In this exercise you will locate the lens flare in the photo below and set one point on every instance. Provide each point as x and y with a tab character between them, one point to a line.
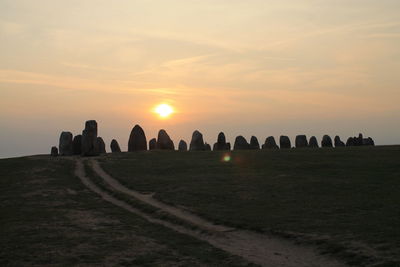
226	158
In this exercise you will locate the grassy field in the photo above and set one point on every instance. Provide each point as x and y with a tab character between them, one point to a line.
48	217
346	201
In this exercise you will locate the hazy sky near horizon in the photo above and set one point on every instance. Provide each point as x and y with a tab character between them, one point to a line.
256	67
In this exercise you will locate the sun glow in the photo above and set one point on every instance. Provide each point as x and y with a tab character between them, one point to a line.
164	110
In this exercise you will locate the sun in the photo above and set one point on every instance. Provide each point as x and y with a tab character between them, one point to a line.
164	110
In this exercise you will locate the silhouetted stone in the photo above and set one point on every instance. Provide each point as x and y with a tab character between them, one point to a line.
54	151
326	141
270	143
241	143
182	146
207	147
228	146
90	146
313	142
153	144
197	142
358	141
65	145
284	142
254	143
102	145
338	142
301	141
350	141
368	142
115	146
221	142
77	144
137	140
164	142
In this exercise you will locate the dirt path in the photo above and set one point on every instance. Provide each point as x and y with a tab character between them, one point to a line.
254	247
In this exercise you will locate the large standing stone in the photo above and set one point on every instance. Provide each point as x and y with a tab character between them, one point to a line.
137	140
197	142
115	146
153	144
164	142
65	145
102	145
338	142
77	144
241	143
54	151
270	143
313	142
182	146
326	141
284	142
221	142
90	146
254	143
350	141
301	141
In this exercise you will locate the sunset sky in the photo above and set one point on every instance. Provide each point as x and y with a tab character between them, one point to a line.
255	67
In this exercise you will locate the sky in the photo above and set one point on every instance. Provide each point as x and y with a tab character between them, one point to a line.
255	67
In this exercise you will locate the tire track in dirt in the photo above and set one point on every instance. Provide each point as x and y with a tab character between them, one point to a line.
254	247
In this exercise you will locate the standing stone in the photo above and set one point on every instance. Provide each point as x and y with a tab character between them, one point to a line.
197	142
221	142
301	141
326	141
77	144
65	145
207	147
254	143
115	146
90	146
338	142
228	146
313	142
182	146
358	141
241	143
137	140
270	143
284	142
102	145
164	142
368	142
54	151
350	142
153	144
